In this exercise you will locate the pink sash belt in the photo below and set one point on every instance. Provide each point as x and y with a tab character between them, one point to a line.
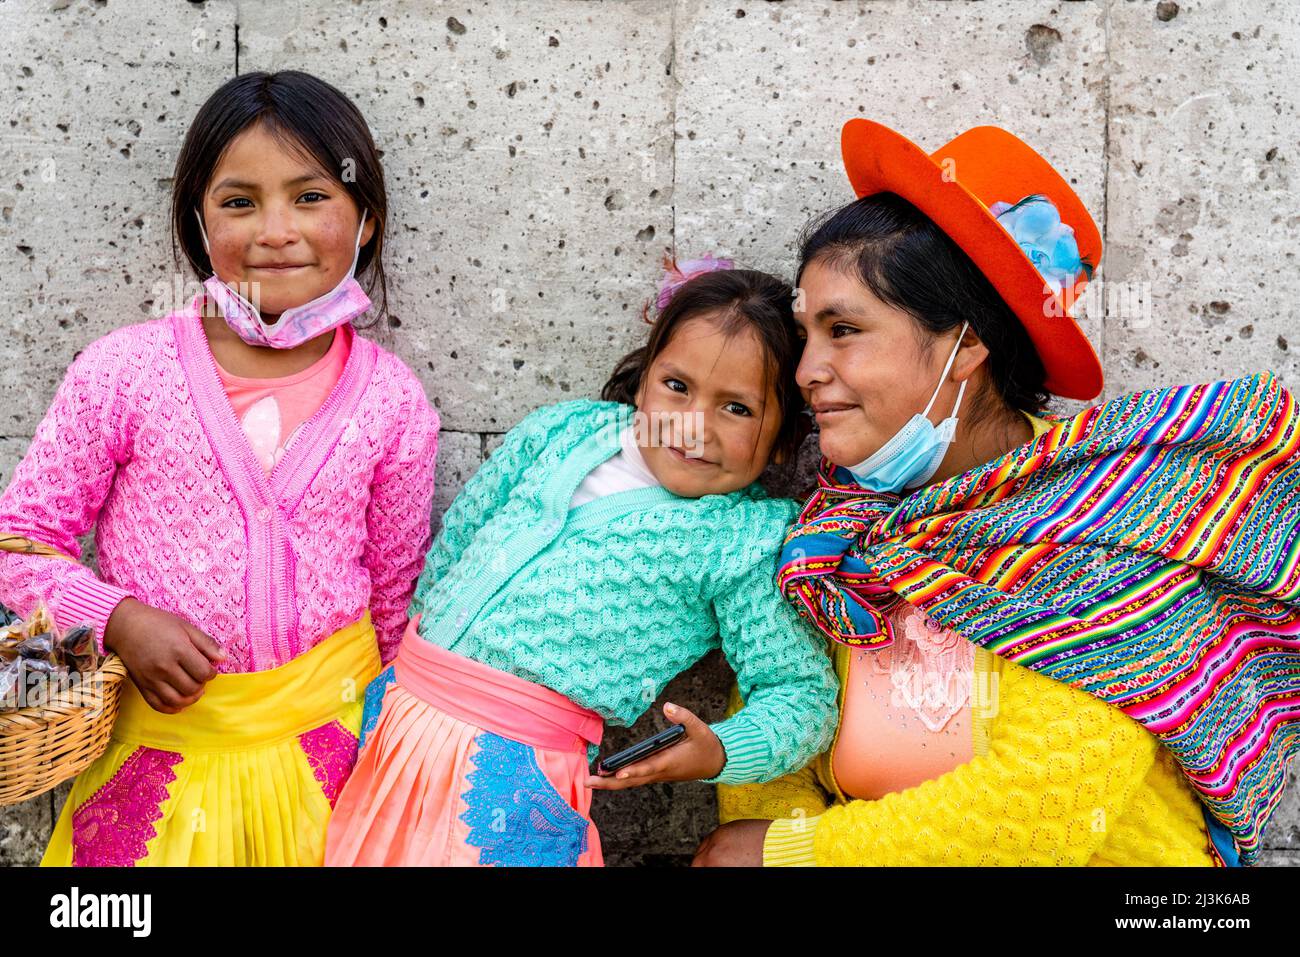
491	699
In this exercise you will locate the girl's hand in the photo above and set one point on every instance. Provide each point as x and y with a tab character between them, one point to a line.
734	844
698	755
168	658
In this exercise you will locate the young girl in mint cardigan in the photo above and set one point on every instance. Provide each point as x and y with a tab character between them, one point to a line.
603	549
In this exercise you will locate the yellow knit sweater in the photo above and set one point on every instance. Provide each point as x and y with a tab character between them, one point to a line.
1057	777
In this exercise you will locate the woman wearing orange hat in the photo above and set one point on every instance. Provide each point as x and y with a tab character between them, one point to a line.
1059	641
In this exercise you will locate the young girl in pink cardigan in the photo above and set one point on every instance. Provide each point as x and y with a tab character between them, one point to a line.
259	479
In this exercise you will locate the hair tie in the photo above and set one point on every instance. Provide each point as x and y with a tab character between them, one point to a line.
677	274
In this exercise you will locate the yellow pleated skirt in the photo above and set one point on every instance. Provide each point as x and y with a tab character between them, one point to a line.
246	776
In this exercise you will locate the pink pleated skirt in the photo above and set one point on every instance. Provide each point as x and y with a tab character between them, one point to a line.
465	765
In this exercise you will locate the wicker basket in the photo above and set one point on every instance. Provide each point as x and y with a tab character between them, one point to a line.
44	745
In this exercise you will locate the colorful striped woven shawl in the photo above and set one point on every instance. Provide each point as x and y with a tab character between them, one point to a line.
1144	551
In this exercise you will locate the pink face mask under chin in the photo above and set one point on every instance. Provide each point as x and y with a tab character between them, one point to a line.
298	324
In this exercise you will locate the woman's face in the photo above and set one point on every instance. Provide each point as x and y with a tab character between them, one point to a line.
864	370
278	223
710	414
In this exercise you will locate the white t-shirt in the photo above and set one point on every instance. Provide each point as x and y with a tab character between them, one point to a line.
624	470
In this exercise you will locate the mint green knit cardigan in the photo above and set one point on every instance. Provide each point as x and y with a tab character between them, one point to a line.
608	602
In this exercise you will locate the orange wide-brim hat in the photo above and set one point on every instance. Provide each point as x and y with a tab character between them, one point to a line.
955	186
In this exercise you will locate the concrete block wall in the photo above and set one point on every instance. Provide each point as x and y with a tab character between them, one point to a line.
543	156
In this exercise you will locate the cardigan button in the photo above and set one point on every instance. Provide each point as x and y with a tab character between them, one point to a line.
264	515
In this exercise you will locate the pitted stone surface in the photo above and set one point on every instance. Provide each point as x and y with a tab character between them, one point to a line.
541	157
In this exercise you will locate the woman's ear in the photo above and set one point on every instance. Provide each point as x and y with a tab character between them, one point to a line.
970	356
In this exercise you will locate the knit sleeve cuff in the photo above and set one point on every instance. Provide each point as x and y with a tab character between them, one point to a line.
789	842
747	753
89	601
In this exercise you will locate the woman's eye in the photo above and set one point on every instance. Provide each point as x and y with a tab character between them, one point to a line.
674	383
237	199
314	193
735	408
839	330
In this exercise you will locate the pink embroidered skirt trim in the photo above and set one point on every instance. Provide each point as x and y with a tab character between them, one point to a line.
466	765
245	776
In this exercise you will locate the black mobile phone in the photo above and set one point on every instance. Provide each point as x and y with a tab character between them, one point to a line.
642	749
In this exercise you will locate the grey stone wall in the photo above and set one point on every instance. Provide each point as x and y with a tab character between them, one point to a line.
543	156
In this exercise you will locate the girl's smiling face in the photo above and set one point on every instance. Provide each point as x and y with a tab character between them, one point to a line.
278	223
708	394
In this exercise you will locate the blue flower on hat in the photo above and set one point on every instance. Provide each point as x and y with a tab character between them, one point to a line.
1035	223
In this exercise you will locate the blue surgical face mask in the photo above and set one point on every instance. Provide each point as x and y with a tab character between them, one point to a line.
914	452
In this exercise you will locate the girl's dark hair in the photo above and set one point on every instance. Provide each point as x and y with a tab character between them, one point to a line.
306	114
737	299
908	262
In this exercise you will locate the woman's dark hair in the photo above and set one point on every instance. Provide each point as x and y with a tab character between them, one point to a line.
908	262
306	114
736	300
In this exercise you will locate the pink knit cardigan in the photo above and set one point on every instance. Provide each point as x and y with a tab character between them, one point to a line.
142	444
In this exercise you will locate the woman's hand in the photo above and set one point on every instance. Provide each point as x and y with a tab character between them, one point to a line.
734	844
168	658
698	755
